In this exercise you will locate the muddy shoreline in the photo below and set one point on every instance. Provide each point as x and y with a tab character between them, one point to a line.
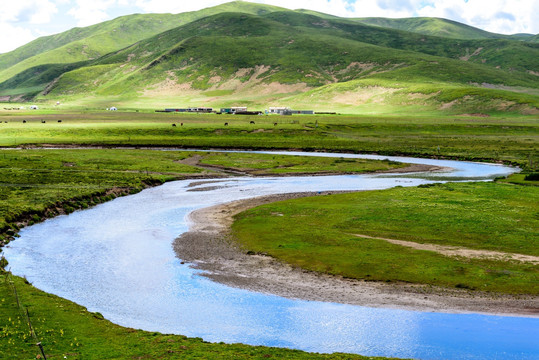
208	246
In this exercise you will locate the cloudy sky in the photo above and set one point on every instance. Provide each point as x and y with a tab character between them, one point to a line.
24	20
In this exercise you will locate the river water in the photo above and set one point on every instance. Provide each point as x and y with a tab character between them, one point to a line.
117	259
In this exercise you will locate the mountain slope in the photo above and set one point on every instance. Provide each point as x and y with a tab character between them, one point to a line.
262	54
209	52
81	44
506	54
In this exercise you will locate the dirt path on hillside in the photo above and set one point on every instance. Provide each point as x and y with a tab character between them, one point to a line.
208	247
456	251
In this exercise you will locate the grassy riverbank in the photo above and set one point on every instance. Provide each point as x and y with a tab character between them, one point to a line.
509	138
36	181
69	331
320	234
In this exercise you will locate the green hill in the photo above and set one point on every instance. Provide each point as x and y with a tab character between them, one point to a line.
265	55
437	27
81	44
506	54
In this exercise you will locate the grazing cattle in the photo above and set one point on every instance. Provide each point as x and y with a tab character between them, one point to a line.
226	124
174	125
181	124
59	120
252	122
24	121
274	124
43	121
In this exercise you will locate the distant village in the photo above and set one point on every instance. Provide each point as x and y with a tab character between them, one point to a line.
242	110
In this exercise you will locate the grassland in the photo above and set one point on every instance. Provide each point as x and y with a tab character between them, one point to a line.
511	139
438	27
479	216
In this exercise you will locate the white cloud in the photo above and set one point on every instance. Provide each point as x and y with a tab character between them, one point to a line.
91	12
28	11
13	37
17	18
501	16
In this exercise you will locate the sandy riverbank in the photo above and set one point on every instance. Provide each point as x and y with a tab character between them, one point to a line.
208	247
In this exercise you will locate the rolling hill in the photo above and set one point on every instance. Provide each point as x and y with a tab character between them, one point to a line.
262	55
81	44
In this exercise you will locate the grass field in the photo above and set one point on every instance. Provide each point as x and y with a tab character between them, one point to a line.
497	138
479	216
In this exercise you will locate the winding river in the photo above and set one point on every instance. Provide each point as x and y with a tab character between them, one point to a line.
117	259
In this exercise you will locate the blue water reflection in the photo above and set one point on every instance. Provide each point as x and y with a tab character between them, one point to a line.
117	258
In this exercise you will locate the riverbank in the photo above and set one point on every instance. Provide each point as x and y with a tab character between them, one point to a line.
208	247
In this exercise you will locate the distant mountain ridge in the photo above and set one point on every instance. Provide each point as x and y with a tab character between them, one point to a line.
439	27
226	52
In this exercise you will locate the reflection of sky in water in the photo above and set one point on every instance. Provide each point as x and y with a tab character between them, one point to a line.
117	259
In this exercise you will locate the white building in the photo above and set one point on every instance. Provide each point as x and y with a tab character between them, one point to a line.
278	110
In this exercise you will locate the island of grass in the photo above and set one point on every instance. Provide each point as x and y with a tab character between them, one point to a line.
286	165
454	235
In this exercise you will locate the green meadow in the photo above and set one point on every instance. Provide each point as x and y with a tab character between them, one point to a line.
319	234
34	181
506	138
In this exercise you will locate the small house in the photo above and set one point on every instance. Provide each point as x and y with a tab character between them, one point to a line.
234	110
200	109
281	110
